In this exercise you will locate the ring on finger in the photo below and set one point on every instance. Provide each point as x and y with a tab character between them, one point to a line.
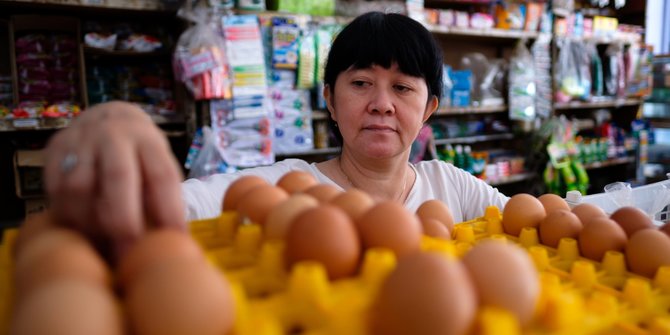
69	162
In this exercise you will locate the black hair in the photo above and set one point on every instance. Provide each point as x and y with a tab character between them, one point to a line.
381	39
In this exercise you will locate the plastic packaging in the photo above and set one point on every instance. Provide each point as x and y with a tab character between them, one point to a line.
521	84
200	58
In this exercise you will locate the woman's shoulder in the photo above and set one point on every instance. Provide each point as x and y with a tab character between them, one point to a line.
436	167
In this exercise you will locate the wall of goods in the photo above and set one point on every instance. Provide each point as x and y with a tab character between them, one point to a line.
252	72
589	75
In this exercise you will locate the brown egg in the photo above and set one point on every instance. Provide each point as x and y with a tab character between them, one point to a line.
34	225
69	307
58	254
323	192
666	228
426	294
504	276
600	235
281	216
257	203
354	202
647	250
631	220
296	181
180	296
435	228
155	247
522	210
438	210
558	224
389	225
324	234
238	188
586	212
551	202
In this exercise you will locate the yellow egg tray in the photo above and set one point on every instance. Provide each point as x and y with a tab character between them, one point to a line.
578	296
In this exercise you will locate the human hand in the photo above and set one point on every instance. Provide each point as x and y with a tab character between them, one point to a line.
111	174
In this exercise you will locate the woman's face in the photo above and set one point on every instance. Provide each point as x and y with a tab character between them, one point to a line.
379	111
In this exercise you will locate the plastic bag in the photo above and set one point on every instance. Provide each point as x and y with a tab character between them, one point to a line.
521	84
200	59
573	75
208	161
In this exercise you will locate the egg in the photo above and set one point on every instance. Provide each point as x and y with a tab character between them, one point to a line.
551	202
257	203
69	307
354	202
631	219
522	210
426	294
647	250
296	181
389	225
438	210
323	192
34	225
154	247
238	188
585	212
558	224
504	276
600	235
56	254
179	296
281	216
326	235
435	228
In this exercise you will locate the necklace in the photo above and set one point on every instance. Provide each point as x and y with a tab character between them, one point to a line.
399	198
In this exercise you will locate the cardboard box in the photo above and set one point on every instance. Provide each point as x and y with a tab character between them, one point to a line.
36	205
28	165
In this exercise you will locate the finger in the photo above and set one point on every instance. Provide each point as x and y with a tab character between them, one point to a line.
118	204
162	182
56	150
75	199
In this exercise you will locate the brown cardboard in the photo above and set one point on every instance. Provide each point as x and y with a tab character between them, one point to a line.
27	168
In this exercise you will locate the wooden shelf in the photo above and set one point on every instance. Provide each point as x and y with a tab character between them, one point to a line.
475	139
596	104
471	110
611	162
31	124
485	33
118	5
511	179
320	115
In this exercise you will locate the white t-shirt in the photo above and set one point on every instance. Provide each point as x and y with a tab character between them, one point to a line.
466	196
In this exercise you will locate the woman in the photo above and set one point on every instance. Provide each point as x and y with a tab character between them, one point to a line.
382	82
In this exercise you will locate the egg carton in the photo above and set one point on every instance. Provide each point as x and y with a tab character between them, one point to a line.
6	284
578	295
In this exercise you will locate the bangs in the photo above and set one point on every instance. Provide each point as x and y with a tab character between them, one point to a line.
387	44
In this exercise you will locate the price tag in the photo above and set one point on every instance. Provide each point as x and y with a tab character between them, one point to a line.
25	123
